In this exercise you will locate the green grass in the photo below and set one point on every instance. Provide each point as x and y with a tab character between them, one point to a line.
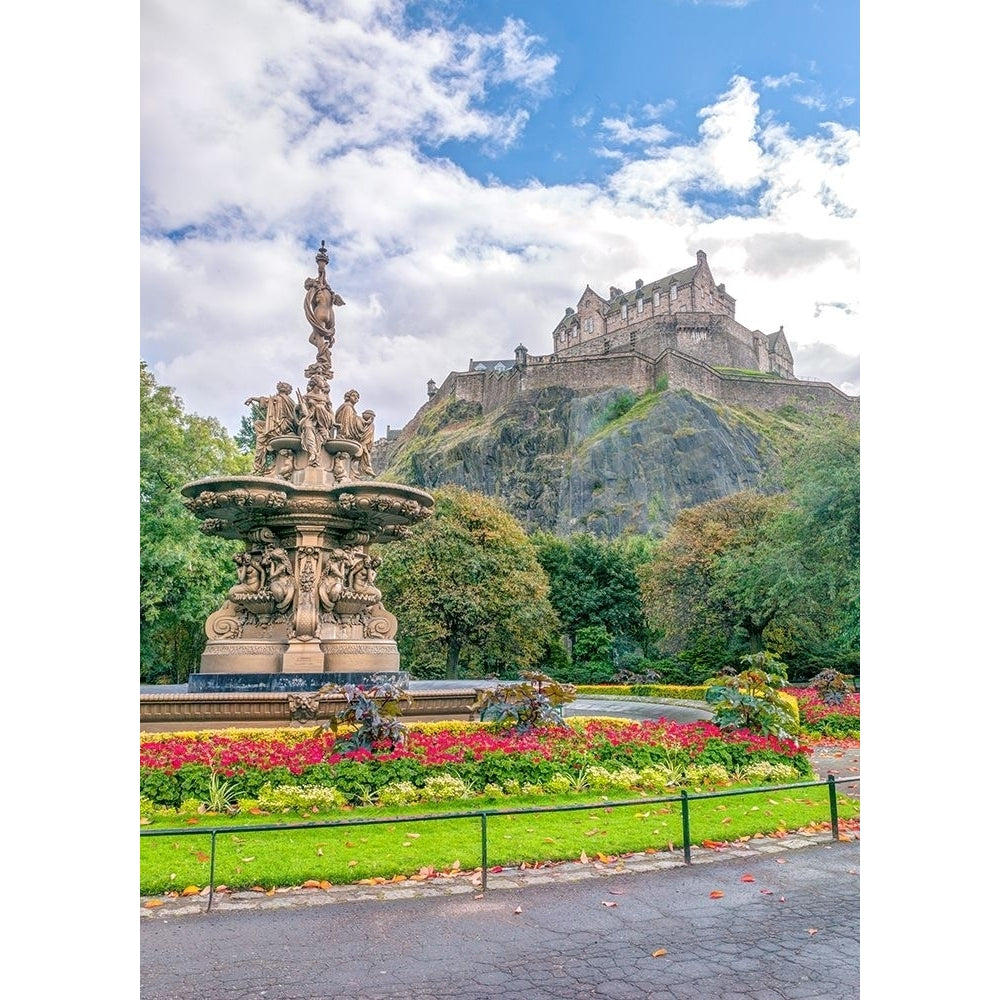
342	855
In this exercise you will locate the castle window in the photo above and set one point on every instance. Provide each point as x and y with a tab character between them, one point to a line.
588	324
562	335
673	292
638	303
625	310
656	298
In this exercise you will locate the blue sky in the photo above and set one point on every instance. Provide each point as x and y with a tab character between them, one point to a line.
472	167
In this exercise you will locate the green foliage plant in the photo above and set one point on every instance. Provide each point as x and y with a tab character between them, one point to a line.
832	686
752	699
221	795
531	703
282	798
372	712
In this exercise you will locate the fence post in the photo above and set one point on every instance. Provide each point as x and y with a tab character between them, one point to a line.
686	826
211	874
831	785
482	832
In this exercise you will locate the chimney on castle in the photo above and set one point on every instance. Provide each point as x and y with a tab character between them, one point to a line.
639	283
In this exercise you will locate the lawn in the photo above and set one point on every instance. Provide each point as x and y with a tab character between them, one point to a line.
297	777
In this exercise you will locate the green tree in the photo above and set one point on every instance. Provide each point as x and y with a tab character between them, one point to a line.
715	579
821	533
594	584
183	573
468	590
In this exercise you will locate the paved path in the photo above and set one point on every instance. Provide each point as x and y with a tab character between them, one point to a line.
791	933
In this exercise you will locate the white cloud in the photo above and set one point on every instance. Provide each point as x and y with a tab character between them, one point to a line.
622	130
285	127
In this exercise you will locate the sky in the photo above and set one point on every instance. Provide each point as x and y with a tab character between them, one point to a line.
472	167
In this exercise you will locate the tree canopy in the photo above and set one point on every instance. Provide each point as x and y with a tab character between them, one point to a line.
752	570
468	591
183	573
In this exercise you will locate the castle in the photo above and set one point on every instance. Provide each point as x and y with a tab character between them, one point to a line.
679	331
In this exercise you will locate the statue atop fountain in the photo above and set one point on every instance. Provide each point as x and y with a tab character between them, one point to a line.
304	604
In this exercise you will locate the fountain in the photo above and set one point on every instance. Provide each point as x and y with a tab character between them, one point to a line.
305	610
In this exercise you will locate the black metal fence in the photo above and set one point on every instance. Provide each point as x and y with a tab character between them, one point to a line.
684	797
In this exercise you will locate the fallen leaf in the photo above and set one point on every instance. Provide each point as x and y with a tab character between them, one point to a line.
659	953
716	894
312	884
351	864
248	859
478	895
767	892
728	819
589	833
397	878
202	857
414	835
813	930
319	852
456	865
781	899
748	878
191	890
517	909
496	869
617	892
781	861
406	843
549	840
153	903
583	858
605	902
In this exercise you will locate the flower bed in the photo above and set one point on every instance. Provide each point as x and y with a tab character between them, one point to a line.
820	720
179	767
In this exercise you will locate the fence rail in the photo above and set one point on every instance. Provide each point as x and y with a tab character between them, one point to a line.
482	815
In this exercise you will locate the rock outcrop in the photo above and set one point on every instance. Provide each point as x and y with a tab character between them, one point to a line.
606	462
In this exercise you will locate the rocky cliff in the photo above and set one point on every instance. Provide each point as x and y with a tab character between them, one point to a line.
606	462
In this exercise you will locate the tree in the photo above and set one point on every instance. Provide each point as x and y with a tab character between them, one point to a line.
467	588
594	584
183	573
782	570
715	581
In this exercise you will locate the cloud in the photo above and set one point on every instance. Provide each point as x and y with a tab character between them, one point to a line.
622	130
313	122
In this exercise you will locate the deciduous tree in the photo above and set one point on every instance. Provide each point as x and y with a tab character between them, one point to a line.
468	590
183	573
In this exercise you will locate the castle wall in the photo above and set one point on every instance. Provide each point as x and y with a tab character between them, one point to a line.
592	373
684	372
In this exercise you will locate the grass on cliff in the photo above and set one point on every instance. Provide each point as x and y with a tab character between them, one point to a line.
408	847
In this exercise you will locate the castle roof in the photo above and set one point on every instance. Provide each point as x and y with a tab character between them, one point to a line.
491	366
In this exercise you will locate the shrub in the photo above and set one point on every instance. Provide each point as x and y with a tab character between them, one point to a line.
707	775
281	797
443	788
399	793
752	699
372	712
832	686
528	704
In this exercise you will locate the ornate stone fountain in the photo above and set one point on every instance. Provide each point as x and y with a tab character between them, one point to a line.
305	609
